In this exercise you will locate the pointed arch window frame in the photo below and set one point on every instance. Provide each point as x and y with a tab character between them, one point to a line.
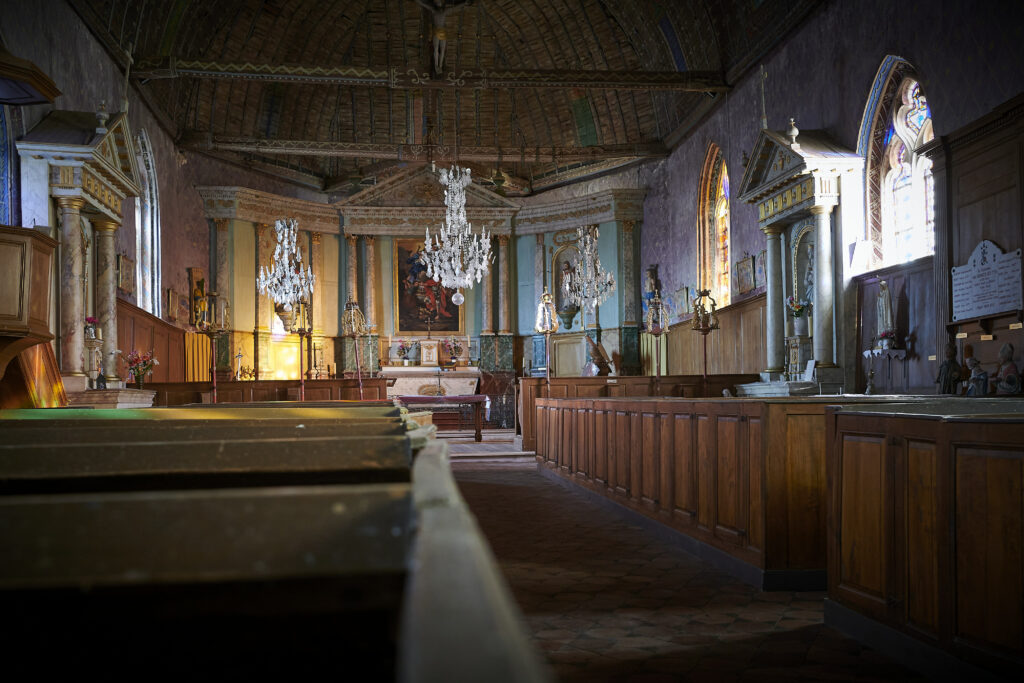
714	266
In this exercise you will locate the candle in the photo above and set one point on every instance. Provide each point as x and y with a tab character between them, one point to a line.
99	333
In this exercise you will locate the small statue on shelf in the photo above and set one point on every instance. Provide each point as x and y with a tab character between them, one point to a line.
977	385
949	372
1007	378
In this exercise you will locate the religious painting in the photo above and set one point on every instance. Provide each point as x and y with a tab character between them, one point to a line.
125	274
422	305
760	278
745	275
428	351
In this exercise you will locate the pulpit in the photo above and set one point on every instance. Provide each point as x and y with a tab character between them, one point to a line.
26	264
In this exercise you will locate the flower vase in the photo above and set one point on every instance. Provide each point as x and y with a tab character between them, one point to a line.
800	325
138	381
405	362
885	342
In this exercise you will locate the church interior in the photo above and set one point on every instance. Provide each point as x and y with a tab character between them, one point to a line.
513	340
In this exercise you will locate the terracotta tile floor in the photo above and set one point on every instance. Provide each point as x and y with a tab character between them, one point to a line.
606	600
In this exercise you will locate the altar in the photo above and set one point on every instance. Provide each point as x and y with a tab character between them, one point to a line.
422	380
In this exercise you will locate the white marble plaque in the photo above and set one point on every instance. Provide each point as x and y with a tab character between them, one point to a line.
989	284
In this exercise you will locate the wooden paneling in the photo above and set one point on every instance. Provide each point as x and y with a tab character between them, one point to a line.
532	388
989	566
141	331
862	571
746	476
737	347
926	525
182	393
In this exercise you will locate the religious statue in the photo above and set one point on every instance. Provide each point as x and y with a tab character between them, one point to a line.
883	308
438	10
949	372
597	365
809	276
978	383
1007	378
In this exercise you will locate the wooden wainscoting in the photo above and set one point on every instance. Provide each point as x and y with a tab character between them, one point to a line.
744	476
182	393
738	347
140	330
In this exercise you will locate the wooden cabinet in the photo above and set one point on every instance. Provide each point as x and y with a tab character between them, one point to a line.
925	527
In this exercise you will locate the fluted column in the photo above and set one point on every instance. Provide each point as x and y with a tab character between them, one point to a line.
823	294
775	346
264	319
316	262
72	297
504	300
370	286
224	289
353	268
106	295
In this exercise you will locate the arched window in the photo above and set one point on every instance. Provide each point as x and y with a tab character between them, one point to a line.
147	234
713	226
899	183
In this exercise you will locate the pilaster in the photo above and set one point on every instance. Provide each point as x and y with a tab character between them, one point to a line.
775	342
351	274
370	285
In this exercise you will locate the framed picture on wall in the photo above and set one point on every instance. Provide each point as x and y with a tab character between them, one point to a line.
745	275
125	274
422	305
760	279
428	351
172	304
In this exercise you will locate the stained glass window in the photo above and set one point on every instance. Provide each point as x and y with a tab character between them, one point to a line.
713	227
907	187
720	291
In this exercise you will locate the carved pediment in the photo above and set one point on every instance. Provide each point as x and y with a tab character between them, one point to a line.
776	162
421	187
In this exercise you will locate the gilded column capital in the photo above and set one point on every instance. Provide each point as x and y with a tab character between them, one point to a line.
105	224
772	230
352	239
370	240
221	223
503	240
628	225
317	237
819	209
72	203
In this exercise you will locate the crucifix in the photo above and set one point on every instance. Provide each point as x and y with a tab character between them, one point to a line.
238	364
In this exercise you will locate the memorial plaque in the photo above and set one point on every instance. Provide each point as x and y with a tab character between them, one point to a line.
989	284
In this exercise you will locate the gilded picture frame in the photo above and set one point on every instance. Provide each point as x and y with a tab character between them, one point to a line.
421	306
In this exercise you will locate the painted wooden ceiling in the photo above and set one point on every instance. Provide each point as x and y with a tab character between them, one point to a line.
335	94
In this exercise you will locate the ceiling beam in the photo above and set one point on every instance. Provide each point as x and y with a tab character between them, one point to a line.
685	81
406	152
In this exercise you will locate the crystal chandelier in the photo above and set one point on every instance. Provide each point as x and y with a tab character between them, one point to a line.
456	257
589	284
286	281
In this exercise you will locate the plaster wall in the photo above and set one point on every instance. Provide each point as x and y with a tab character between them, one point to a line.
50	34
968	56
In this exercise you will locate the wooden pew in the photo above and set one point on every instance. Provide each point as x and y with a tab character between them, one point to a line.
256	581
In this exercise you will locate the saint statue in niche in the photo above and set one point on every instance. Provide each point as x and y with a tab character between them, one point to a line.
883	308
978	383
809	276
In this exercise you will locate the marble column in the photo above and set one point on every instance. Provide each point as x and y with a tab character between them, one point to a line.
106	296
72	298
540	281
486	307
504	302
823	294
351	279
775	346
264	312
224	289
629	320
370	285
